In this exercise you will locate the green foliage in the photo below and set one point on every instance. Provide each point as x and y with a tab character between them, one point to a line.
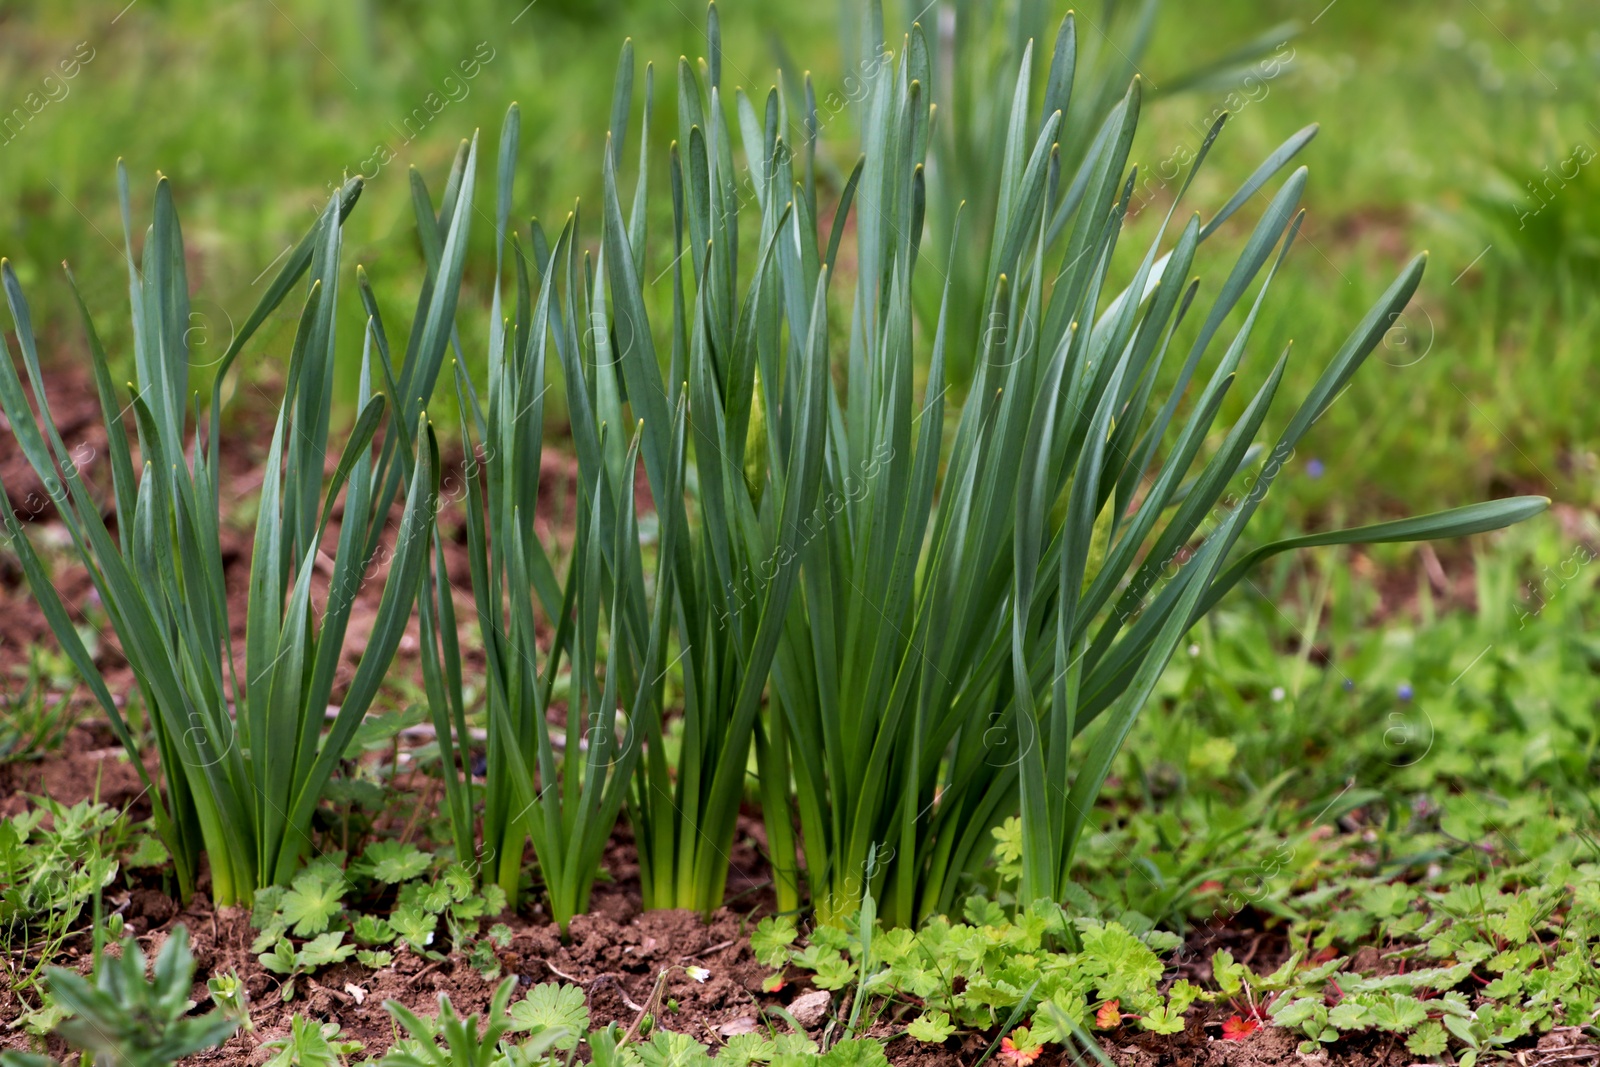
981	45
887	648
551	1006
228	993
931	1027
318	910
1489	947
54	861
967	610
290	961
973	976
242	787
34	719
771	938
13	1058
393	862
311	1044
124	1019
312	901
1493	954
451	1041
566	804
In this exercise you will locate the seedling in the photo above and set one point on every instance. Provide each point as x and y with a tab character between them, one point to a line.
124	1019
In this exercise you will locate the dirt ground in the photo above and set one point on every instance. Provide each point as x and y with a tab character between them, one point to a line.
616	954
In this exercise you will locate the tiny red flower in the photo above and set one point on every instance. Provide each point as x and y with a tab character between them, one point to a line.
1237	1029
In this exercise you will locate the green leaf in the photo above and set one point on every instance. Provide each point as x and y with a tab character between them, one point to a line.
1228	975
1163	1020
668	1049
770	940
393	862
741	1050
854	1052
370	930
149	852
831	970
311	904
553	1006
1120	962
932	1027
1428	1040
414	926
458	881
324	949
1397	1013
1351	1014
280	959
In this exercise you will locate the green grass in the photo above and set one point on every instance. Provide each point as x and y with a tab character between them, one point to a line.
1433	119
257	113
222	97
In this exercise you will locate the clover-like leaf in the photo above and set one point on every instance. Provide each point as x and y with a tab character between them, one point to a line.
833	971
742	1050
371	930
280	958
668	1049
458	881
1398	1013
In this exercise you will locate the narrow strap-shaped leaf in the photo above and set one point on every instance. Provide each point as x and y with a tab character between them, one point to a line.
1453	522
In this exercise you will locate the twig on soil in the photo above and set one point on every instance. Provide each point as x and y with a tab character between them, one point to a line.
564	976
718	947
416	813
337	994
429	969
651	1004
622	991
1255	946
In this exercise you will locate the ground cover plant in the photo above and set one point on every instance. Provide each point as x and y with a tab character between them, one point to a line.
851	682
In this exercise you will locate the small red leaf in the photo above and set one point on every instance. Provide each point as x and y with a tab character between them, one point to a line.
1013	1056
1109	1017
1237	1029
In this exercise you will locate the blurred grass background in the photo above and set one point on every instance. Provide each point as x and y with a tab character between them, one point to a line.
1467	127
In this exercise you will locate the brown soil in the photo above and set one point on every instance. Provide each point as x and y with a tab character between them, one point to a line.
90	763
